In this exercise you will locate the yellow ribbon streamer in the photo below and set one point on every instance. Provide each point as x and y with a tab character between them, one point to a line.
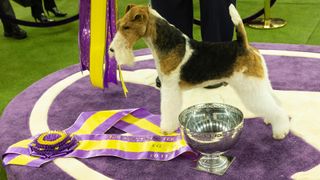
22	159
94	121
97	41
148	146
22	144
97	119
91	145
98	24
124	87
145	124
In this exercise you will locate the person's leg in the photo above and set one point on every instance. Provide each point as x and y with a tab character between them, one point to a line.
177	12
37	12
10	29
36	8
216	24
6	10
50	6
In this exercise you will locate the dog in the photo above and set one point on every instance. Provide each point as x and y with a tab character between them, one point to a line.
183	63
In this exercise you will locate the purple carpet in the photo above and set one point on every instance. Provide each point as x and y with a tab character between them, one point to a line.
258	156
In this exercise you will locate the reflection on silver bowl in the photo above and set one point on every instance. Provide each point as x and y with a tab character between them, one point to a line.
212	129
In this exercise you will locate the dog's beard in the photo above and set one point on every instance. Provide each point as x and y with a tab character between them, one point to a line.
122	53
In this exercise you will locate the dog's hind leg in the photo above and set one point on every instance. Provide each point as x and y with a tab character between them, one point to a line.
171	102
257	97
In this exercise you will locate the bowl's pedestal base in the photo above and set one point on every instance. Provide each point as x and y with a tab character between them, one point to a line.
217	165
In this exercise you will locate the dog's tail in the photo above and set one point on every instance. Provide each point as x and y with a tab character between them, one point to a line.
237	21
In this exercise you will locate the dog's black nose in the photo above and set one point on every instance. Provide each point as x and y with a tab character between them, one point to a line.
111	50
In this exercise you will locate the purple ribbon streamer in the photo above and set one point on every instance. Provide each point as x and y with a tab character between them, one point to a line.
103	127
110	74
84	34
78	123
11	153
117	123
140	135
127	138
158	156
112	121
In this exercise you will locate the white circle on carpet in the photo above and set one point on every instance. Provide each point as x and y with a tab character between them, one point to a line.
301	105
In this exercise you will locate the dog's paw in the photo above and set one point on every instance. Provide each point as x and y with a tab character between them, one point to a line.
168	128
280	130
280	136
266	121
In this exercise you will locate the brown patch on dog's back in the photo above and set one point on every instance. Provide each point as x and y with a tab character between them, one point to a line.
185	85
170	61
169	43
250	63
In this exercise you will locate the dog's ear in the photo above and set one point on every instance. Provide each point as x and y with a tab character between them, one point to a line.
139	15
129	6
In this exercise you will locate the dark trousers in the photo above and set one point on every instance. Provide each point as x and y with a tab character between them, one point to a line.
6	10
216	24
36	6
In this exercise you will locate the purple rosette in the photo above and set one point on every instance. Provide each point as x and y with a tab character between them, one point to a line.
52	144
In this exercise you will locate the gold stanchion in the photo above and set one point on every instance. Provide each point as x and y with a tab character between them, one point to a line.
267	22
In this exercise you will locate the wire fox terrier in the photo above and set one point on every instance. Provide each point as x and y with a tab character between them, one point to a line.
183	63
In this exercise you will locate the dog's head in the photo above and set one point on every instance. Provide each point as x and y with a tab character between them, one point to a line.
130	28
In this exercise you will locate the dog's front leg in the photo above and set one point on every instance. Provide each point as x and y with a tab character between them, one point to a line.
171	102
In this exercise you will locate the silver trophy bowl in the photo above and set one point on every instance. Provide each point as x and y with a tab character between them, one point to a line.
212	129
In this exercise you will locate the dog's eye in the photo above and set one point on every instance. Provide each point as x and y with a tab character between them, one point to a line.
126	27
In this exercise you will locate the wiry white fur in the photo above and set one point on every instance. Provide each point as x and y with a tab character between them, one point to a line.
148	42
235	17
123	54
256	95
263	62
155	13
171	95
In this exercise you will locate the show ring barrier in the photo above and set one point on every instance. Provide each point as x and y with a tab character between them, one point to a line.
253	21
260	23
267	22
